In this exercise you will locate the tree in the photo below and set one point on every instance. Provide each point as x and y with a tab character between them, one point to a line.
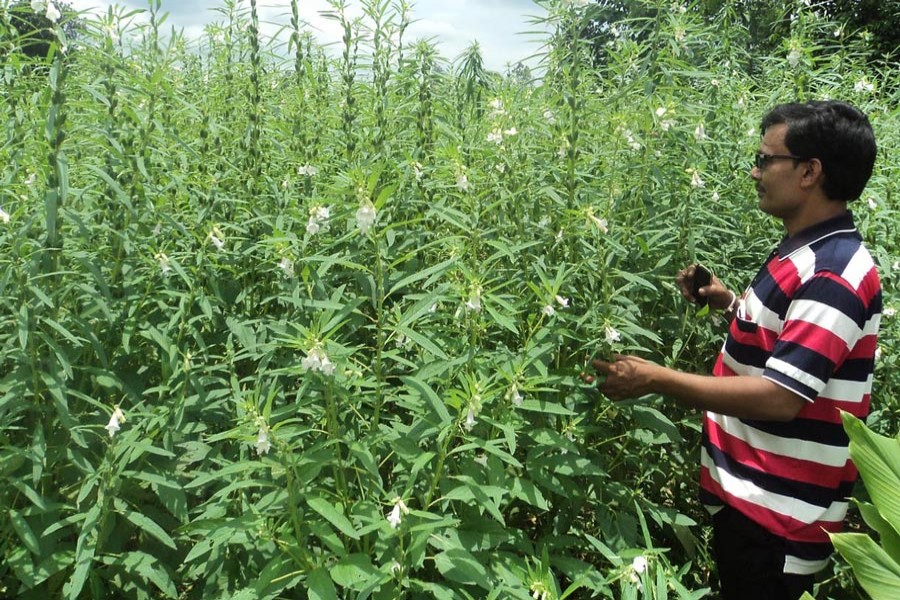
33	31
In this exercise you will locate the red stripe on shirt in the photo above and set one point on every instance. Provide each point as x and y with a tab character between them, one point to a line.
777	465
780	525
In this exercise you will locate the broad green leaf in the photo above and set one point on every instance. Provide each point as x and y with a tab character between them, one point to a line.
423	340
878	459
23	530
890	541
146	524
423	274
461	566
430	397
356	572
333	516
876	572
320	586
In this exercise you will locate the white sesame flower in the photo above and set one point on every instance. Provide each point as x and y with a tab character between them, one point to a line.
496	136
474	301
700	133
501	167
481	459
317	360
549	117
715	83
216	237
889	311
396	569
115	421
514	396
639	564
327	367
394	517
715	196
308	170
163	260
287	266
311	362
548	310
667	124
563	302
462	182
496	104
53	13
863	85
696	182
872	204
4	216
470	419
38	6
433	308
611	335
365	216
312	226
793	58
263	445
601	224
661	111
896	265
30	179
322	213
511	131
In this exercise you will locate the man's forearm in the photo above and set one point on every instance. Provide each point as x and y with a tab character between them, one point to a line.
741	396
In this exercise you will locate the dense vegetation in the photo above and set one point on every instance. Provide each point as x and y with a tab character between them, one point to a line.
277	323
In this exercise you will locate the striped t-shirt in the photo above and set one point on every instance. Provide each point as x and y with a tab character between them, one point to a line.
808	322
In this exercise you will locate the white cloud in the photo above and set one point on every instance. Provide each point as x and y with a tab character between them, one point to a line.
452	24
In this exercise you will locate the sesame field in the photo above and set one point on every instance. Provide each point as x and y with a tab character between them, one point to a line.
286	321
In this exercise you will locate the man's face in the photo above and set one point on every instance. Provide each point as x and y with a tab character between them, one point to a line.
778	181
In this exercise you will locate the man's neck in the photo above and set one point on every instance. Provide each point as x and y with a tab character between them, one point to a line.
820	210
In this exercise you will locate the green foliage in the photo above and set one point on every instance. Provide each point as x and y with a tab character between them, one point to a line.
876	566
276	326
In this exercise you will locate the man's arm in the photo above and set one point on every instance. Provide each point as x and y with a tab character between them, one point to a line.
741	396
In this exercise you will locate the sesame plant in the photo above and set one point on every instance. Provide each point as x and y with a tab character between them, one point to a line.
287	321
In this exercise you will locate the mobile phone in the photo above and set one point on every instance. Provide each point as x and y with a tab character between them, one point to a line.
702	278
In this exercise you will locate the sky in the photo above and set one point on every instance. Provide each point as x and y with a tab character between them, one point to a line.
499	26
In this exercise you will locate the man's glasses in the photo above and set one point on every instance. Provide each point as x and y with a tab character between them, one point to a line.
761	161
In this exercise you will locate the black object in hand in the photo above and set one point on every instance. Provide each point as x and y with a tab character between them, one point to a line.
702	278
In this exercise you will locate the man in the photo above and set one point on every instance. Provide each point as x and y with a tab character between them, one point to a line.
775	470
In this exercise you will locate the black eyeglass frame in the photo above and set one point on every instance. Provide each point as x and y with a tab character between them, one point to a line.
761	160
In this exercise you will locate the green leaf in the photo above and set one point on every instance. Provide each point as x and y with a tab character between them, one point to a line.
356	572
23	530
423	340
430	397
890	541
461	566
878	459
320	586
876	572
423	274
333	516
145	523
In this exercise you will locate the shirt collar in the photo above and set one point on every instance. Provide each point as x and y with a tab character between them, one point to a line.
839	224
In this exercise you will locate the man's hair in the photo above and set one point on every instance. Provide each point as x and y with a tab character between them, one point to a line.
836	133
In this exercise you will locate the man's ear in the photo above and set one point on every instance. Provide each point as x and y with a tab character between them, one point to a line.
813	174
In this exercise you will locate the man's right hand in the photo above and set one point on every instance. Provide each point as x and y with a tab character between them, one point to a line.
719	296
